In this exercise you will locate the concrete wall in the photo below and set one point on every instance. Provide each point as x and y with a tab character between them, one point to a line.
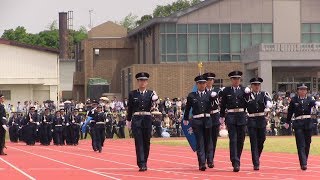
310	12
30	92
286	21
29	74
27	66
232	11
66	70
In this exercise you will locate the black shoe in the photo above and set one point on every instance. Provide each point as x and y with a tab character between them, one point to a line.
3	154
210	165
202	168
256	168
100	150
142	169
304	167
236	168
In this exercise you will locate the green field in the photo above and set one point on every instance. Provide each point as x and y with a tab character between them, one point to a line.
284	144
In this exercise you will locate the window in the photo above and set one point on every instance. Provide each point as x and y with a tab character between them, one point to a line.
6	94
193	28
182	28
171	28
182	43
218	83
203	44
192	44
171	44
218	42
203	28
310	33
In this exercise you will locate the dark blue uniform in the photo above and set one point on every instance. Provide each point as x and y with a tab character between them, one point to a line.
30	128
14	124
139	107
201	123
302	125
233	100
45	129
3	121
215	115
58	131
256	104
74	128
99	130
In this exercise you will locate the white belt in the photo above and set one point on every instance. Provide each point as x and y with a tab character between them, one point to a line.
58	125
201	116
142	113
256	114
214	111
303	117
236	110
100	123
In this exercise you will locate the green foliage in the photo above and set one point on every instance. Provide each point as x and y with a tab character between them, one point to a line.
129	22
167	10
47	38
143	20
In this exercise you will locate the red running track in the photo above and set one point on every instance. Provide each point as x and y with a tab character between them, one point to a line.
118	161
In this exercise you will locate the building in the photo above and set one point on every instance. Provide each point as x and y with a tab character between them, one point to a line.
275	39
100	60
28	72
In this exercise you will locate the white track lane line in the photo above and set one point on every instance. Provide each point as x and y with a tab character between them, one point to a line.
70	165
19	170
173	172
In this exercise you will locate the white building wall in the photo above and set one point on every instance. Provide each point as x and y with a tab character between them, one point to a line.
29	74
286	21
232	11
66	70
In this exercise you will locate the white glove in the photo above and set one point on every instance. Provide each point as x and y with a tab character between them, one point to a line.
44	120
107	120
269	104
155	97
128	123
31	120
38	123
286	125
267	110
67	124
247	90
185	122
5	127
317	103
221	120
73	121
213	94
51	130
222	88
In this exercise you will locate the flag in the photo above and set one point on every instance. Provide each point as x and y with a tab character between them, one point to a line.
187	130
86	122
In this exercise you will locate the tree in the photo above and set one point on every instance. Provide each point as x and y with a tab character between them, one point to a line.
47	38
129	22
18	34
143	20
167	10
53	25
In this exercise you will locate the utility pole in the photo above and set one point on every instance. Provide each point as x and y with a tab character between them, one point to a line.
90	16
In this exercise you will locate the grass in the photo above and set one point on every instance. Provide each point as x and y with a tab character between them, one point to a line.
283	144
